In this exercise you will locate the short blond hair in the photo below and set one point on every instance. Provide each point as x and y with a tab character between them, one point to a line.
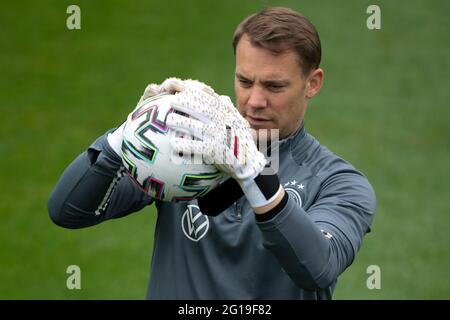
280	29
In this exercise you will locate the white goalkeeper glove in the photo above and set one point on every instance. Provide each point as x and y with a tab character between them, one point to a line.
170	85
223	137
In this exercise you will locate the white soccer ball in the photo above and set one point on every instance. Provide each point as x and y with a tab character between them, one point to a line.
153	165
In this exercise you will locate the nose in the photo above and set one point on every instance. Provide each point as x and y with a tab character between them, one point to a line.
256	98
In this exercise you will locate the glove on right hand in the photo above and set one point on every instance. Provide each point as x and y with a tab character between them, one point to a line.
224	137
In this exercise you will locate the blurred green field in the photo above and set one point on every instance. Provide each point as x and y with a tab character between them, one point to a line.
384	107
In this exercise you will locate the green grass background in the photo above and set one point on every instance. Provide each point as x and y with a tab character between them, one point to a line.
384	107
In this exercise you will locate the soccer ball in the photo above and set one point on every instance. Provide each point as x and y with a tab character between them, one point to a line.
153	165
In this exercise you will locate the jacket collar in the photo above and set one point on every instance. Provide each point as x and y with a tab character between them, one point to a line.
297	136
297	143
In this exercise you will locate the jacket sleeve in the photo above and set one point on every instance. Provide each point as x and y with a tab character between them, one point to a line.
314	247
94	188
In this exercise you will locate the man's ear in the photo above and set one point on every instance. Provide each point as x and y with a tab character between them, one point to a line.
314	83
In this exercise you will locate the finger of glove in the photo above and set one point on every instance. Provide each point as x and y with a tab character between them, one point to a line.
232	113
194	127
151	90
227	105
186	145
195	84
194	114
245	137
172	85
238	119
202	103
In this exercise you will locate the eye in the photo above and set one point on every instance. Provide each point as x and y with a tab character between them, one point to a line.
275	87
245	83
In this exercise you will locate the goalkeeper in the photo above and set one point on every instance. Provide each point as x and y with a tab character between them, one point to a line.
260	234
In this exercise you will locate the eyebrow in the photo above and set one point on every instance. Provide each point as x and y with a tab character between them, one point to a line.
281	83
266	82
240	76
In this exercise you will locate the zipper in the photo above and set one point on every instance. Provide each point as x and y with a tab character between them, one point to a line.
238	211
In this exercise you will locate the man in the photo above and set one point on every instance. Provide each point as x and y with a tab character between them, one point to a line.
286	235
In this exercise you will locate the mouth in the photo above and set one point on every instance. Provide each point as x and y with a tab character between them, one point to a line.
257	122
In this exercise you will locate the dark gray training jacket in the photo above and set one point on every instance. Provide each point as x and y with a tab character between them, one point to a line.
298	254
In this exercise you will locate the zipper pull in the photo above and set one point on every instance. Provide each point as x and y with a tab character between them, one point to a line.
238	211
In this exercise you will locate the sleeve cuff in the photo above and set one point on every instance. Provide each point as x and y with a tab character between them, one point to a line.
219	199
274	211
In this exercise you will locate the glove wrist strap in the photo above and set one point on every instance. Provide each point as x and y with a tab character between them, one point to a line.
262	190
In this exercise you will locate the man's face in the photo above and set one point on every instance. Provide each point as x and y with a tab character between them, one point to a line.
271	91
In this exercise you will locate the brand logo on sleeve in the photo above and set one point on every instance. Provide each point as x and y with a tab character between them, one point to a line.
294	188
195	225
